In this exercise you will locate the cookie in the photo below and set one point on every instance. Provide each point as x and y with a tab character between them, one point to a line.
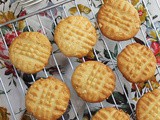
148	106
47	99
110	114
118	20
75	36
137	63
30	51
93	81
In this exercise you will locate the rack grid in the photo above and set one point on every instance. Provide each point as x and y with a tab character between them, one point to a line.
62	4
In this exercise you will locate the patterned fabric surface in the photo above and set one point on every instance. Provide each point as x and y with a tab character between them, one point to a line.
10	9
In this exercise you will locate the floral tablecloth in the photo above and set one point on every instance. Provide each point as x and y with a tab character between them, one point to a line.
9	9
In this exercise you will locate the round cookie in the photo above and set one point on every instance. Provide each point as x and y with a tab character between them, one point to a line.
118	20
30	51
75	36
148	106
47	99
137	63
110	114
93	81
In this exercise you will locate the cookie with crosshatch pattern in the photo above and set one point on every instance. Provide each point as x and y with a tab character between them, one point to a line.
93	81
148	106
137	63
30	51
118	20
47	99
75	36
110	113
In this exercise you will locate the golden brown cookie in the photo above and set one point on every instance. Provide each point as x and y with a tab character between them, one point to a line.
30	51
110	114
148	106
47	99
93	81
137	63
118	20
75	36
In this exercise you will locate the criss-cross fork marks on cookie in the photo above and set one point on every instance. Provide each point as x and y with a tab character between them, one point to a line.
110	114
30	52
148	107
118	20
75	36
47	99
93	81
137	63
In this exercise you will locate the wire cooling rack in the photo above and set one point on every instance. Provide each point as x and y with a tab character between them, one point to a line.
49	9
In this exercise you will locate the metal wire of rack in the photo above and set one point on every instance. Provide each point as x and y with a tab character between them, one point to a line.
62	4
